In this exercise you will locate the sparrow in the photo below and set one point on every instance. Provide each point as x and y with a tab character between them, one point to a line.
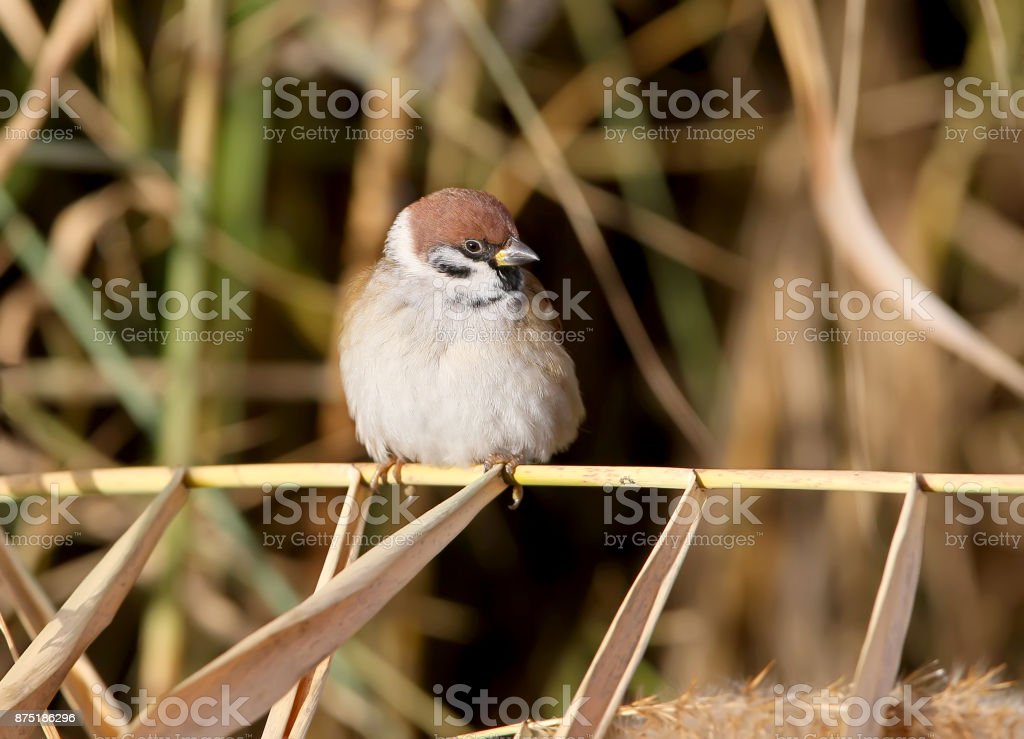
451	351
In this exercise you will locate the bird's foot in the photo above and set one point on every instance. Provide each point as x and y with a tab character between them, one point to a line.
407	490
509	463
380	475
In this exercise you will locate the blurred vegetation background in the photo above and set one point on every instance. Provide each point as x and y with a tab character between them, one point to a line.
172	175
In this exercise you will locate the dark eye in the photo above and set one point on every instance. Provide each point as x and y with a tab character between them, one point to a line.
474	247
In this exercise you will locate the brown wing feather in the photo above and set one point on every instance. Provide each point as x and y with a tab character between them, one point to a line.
531	287
553	365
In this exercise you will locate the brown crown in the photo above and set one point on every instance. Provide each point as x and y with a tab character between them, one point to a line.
452	215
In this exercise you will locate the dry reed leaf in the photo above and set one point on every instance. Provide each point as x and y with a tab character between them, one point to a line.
76	227
200	111
254	673
292	715
878	666
18	313
35	611
600	693
843	210
21	27
996	42
37	675
49	731
849	74
73	27
8	637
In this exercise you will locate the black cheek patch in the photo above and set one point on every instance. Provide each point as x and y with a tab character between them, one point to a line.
452	269
437	261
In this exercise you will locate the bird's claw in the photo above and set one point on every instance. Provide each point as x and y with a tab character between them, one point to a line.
508	473
381	474
517	495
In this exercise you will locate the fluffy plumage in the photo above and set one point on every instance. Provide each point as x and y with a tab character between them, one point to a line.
440	361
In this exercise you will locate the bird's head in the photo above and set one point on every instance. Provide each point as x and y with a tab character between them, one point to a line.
464	240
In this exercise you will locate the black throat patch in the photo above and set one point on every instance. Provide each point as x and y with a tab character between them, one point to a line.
511	278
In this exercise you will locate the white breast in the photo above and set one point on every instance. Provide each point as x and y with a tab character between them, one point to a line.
431	389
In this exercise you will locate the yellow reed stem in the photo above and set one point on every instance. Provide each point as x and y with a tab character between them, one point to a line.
150	480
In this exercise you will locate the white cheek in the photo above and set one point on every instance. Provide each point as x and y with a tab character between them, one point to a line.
483	280
399	246
481	283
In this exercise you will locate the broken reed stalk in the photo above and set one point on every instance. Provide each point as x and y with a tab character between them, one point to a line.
151	480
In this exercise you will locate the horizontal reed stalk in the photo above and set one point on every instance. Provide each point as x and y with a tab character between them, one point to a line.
151	480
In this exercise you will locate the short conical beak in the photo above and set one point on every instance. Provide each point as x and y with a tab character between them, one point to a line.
514	254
